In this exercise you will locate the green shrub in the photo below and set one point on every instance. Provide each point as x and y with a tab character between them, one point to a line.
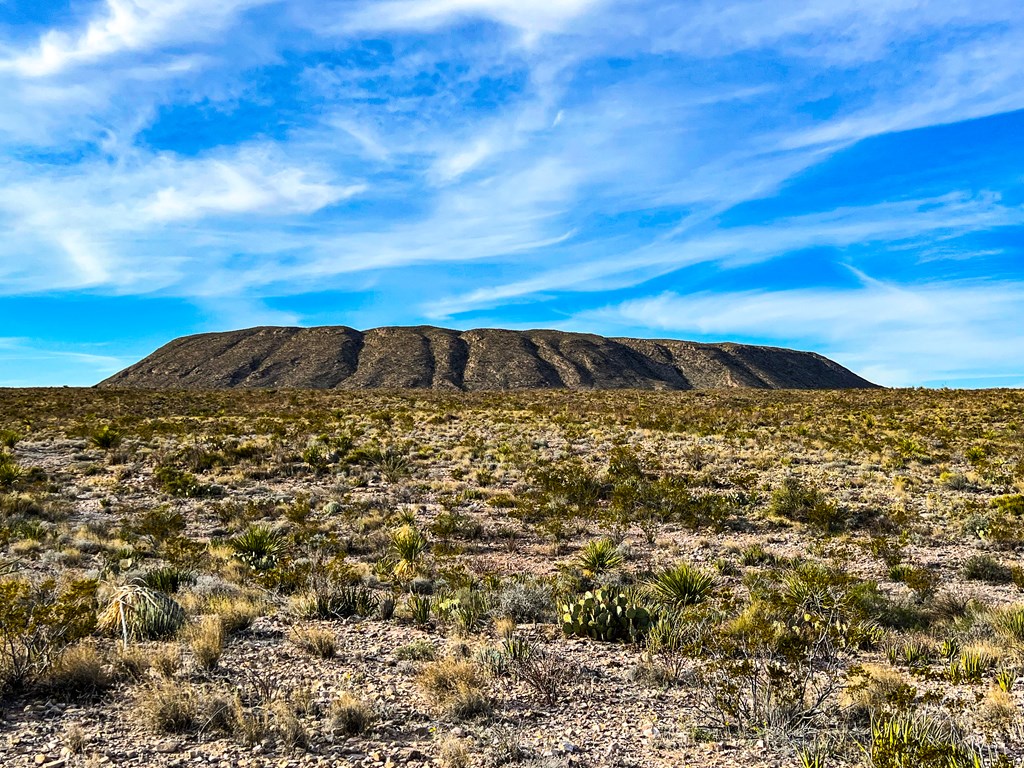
524	599
923	581
180	484
105	437
37	621
417	650
159	525
798	502
988	569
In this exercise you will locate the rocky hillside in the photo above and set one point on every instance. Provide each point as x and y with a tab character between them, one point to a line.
484	359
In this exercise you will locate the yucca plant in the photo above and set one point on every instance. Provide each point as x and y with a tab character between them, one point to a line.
136	611
598	557
1011	622
1006	678
10	472
973	665
168	579
468	608
813	756
407	545
105	437
915	652
756	554
419	609
336	602
680	586
259	547
392	465
949	649
910	740
9	438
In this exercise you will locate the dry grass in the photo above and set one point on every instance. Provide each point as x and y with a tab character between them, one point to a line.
206	641
82	668
170	707
314	641
459	688
350	715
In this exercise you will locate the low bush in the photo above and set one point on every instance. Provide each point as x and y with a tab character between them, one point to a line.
79	669
39	620
987	569
795	501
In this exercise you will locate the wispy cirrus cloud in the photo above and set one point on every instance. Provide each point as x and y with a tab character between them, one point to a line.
126	26
939	333
899	225
487	158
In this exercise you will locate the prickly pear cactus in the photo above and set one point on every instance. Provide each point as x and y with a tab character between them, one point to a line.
605	614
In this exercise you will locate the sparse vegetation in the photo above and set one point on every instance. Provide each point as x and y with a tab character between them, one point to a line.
828	574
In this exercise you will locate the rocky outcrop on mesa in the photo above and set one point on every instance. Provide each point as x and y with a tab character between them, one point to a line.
424	357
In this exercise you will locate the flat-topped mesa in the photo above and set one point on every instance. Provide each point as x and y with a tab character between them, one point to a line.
424	357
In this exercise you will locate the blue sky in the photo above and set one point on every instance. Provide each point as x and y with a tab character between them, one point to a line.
835	175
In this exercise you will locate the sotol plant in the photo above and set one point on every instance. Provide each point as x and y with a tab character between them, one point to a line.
259	547
681	586
135	611
598	557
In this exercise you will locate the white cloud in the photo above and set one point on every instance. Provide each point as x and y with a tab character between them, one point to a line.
126	25
922	222
533	17
130	226
901	335
219	187
455	165
31	363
